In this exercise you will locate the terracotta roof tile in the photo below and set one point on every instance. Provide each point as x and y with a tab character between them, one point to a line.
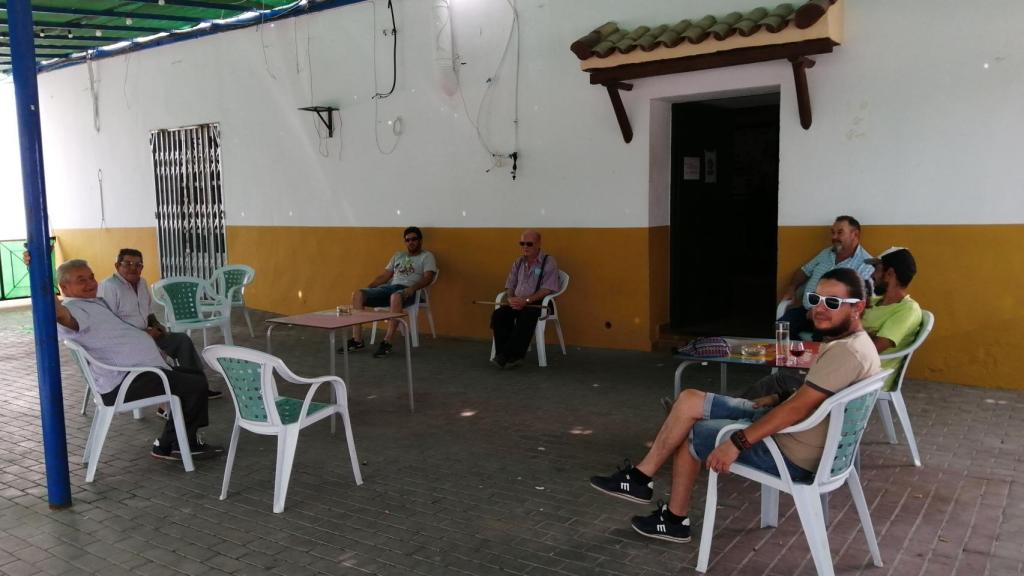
609	39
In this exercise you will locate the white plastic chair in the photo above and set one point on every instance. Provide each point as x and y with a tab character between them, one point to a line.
848	413
228	283
422	300
104	414
549	312
181	298
781	309
895	397
261	410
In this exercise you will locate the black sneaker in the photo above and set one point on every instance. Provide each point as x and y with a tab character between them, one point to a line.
214	394
164	452
384	350
656	525
352	346
200	450
499	361
624	484
514	363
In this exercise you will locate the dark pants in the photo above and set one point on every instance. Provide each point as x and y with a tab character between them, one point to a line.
513	330
188	385
784	383
179	346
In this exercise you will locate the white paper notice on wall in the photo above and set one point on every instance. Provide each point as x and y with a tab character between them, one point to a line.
691	168
711	166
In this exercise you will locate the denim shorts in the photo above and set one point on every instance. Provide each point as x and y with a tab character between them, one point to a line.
380	296
721	411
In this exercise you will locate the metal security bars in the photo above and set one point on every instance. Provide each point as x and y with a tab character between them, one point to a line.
189	200
14	281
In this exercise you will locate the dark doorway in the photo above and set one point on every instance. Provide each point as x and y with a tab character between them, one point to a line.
724	220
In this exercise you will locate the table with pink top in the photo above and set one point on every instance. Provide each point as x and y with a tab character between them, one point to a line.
736	356
332	321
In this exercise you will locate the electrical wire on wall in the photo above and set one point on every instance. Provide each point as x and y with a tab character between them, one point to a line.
492	81
94	93
103	209
396	123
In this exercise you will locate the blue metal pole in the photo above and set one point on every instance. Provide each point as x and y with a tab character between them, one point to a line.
51	399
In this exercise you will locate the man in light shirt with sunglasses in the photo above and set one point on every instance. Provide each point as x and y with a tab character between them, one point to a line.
892	319
534	275
395	288
688	435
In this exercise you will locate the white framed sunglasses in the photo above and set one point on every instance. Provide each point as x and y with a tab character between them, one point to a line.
831	302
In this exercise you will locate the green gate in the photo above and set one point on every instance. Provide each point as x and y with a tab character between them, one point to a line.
13	271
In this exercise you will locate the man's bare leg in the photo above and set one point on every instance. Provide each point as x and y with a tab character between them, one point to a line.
688	409
685	468
396	306
357	304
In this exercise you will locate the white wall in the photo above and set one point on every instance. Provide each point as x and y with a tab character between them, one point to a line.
907	121
12	217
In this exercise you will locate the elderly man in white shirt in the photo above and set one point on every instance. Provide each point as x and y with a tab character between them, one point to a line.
88	320
127	294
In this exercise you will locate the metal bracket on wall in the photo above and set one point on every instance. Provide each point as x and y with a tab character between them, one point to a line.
620	110
803	95
326	115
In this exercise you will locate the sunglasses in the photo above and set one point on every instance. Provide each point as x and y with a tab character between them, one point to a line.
528	244
412	238
831	302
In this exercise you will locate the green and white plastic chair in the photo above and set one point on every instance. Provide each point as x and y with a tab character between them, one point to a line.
181	298
895	397
103	415
261	410
848	413
228	283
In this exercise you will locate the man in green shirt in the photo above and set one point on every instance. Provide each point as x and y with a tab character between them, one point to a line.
892	318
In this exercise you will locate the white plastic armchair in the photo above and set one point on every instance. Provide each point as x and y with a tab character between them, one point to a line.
261	410
228	283
848	413
895	396
421	300
103	415
781	309
549	312
182	296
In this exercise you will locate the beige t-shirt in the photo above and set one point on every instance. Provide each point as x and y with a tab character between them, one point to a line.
839	363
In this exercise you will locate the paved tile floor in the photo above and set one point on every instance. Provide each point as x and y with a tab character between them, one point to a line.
489	476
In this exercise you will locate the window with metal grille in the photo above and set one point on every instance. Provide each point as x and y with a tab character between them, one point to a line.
189	200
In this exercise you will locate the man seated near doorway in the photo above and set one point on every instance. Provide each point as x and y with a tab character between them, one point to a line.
845	252
892	319
534	275
88	321
689	433
407	272
127	294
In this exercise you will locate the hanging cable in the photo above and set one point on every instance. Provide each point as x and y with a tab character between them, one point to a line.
394	52
378	96
474	119
94	94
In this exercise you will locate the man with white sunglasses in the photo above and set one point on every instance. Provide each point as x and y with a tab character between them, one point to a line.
688	435
892	319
